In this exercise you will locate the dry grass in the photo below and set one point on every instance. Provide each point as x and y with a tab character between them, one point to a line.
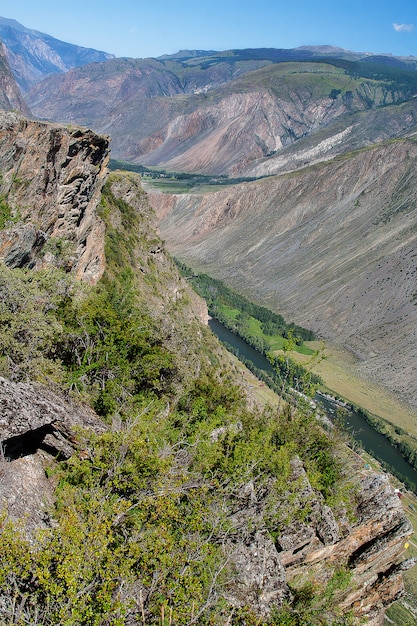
255	389
340	375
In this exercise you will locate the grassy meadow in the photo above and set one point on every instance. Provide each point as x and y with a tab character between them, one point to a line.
338	369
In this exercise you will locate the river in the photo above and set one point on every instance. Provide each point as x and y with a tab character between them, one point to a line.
352	422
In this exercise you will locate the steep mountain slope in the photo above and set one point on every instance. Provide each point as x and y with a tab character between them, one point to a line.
33	55
332	246
346	133
280	118
236	113
174	498
10	96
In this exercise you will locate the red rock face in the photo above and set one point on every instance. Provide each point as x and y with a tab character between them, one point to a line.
52	177
237	117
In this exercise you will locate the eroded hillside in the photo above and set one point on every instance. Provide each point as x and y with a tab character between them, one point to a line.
332	247
240	113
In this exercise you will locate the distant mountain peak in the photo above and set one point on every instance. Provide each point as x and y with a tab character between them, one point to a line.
188	54
5	21
33	55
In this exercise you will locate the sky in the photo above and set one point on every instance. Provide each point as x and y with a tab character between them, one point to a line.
144	28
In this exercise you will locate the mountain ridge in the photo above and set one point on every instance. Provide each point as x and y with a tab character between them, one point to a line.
221	115
33	55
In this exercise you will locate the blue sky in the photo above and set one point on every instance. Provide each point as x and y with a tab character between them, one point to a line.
141	28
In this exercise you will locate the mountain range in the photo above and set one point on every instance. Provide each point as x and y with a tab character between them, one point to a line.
33	55
10	95
240	112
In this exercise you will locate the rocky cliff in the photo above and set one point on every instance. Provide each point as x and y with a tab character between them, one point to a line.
51	180
177	475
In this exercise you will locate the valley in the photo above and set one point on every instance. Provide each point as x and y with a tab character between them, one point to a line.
147	476
288	360
166	463
330	246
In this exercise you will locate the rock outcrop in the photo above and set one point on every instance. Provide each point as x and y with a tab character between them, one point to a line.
261	579
371	549
36	427
51	181
367	546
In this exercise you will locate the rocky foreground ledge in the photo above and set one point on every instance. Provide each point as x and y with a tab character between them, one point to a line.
38	426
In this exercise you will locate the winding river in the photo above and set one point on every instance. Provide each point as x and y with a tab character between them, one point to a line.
352	422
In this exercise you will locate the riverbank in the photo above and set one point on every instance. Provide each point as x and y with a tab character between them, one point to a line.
339	371
388	416
358	427
295	360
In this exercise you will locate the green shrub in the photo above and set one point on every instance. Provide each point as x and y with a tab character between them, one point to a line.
6	214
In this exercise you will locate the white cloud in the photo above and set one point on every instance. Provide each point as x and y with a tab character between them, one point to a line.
400	28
